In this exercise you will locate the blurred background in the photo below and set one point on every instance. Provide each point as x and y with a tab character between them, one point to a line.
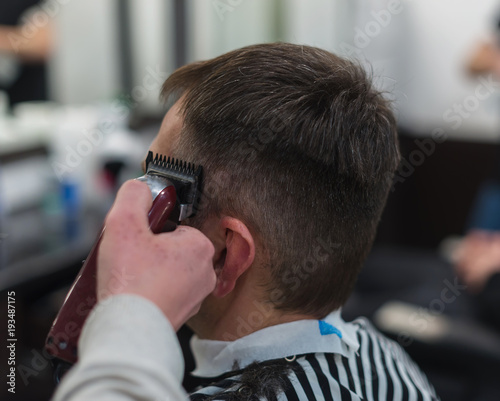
79	86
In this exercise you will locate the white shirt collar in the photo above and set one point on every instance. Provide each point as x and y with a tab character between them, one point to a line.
330	335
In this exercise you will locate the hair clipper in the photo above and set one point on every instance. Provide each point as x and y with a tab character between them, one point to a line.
175	186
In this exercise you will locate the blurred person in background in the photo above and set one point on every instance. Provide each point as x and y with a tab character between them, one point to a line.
477	259
478	265
25	45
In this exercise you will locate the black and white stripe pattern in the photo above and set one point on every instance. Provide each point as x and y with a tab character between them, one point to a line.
381	370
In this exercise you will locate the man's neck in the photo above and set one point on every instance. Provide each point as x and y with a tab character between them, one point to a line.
234	322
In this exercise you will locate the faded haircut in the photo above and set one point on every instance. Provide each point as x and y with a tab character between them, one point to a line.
298	144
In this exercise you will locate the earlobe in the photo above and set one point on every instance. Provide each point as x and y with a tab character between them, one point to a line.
238	255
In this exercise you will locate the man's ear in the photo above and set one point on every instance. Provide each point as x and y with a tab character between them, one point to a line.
235	255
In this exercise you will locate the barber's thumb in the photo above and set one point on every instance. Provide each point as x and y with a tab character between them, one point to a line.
132	204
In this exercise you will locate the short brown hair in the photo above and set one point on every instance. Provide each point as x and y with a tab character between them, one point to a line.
297	143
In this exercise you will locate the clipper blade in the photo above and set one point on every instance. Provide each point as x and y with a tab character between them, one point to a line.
186	177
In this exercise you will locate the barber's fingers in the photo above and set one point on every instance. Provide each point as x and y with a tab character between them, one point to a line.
194	239
131	207
188	267
194	249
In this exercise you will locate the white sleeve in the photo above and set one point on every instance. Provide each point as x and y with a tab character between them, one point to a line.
127	351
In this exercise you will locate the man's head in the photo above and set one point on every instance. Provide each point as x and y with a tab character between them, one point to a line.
299	148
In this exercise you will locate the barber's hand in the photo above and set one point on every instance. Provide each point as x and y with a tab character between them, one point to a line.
174	270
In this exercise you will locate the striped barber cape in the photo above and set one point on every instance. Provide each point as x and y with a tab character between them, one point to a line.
309	360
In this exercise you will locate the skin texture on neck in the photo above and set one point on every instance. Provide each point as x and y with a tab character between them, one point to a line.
238	306
238	316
